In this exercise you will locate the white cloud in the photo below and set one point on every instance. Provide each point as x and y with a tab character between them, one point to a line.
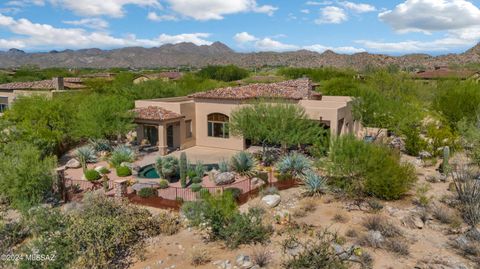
305	11
216	9
34	36
94	23
244	37
321	48
112	8
165	17
431	15
246	40
332	15
318	3
358	7
22	3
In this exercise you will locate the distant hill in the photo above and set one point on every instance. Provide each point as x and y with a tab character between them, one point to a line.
189	54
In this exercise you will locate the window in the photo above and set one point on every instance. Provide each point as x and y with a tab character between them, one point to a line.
188	128
3	107
218	125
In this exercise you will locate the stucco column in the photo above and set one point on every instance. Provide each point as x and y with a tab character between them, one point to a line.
140	133
162	140
183	133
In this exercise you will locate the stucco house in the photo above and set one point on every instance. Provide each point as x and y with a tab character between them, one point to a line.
201	119
10	91
164	76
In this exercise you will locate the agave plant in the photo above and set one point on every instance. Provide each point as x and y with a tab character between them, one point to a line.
295	164
223	166
167	167
122	154
100	144
314	184
243	163
84	155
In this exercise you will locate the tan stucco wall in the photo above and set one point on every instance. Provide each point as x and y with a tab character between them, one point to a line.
203	109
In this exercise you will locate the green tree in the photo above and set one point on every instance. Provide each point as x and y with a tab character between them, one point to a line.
102	116
275	123
223	73
25	178
46	123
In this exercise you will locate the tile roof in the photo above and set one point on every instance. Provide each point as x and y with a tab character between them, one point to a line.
69	83
444	73
155	113
291	89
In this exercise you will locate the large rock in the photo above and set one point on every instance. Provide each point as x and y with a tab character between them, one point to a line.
271	200
244	261
224	178
100	168
424	155
73	164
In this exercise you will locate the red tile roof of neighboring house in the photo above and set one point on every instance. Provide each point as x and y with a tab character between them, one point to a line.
68	83
444	73
155	113
291	89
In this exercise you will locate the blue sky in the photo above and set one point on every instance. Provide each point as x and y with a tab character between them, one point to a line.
391	26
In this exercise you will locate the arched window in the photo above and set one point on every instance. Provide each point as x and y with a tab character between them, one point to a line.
218	125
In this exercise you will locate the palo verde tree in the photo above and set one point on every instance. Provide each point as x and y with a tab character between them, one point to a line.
275	123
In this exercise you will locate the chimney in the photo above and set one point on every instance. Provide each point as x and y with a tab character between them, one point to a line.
58	83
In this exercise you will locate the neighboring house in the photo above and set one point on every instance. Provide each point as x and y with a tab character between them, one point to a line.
443	72
165	76
201	119
10	91
106	76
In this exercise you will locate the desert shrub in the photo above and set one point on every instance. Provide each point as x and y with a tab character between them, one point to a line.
167	223
236	192
193	211
340	218
314	184
375	205
84	155
163	184
368	169
147	192
397	246
108	233
197	180
295	165
351	233
199	256
444	214
246	228
263	176
11	234
421	194
268	156
123	171
315	253
382	225
92	175
121	154
243	163
167	167
196	187
468	192
261	257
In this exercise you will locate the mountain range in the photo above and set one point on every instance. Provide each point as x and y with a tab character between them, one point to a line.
189	54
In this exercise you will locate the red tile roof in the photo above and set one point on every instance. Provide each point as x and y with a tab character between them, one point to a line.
68	83
291	89
444	73
155	113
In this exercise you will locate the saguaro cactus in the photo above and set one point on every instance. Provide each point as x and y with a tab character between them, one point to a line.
446	157
183	167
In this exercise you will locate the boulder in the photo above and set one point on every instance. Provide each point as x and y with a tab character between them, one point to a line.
73	164
424	155
100	168
271	200
224	178
244	261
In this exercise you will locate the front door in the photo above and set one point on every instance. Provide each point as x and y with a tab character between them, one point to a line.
151	134
170	141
